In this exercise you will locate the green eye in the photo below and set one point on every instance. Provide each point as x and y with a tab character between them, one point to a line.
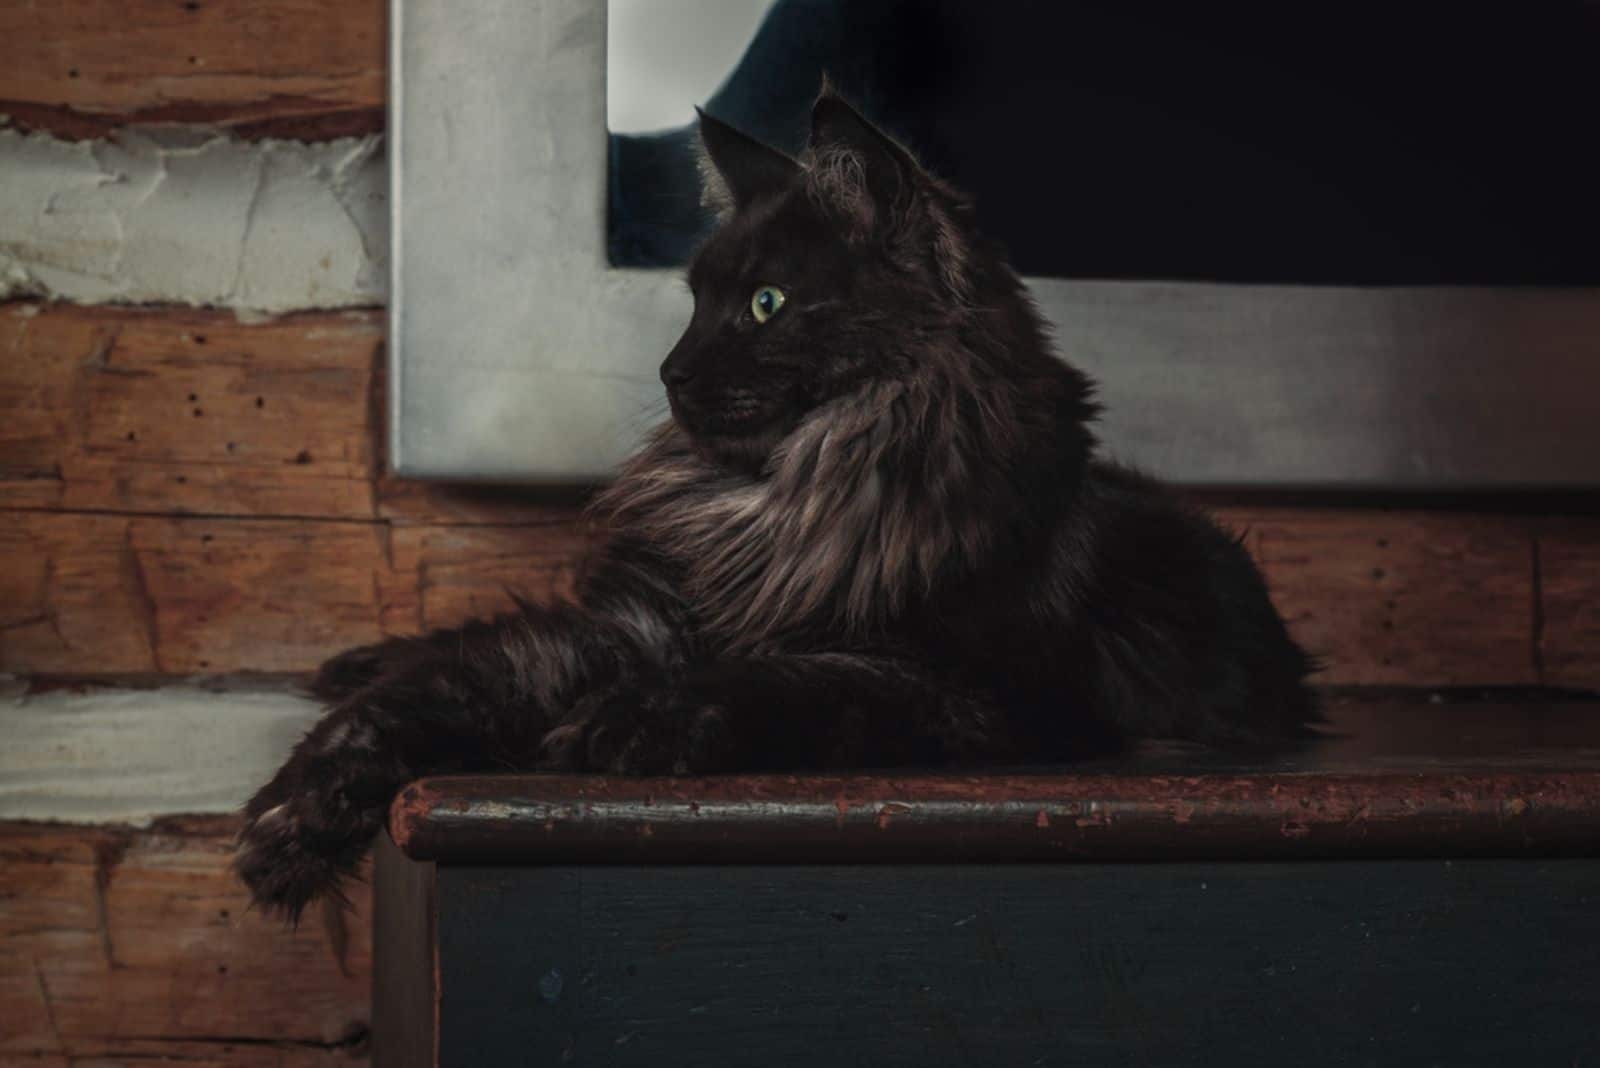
766	302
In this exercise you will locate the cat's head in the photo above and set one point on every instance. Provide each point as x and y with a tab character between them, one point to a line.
847	266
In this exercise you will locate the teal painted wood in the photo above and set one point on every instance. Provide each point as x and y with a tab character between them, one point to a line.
1323	963
1316	907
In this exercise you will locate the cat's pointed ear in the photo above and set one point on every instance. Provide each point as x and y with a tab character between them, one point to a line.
856	160
884	193
736	169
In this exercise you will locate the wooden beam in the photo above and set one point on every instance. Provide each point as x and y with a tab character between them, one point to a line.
261	534
187	411
1387	598
1569	580
98	413
1401	598
284	67
111	594
120	944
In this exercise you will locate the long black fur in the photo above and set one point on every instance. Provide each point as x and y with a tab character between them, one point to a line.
872	534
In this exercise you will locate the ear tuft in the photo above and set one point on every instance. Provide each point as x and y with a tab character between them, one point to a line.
883	192
859	166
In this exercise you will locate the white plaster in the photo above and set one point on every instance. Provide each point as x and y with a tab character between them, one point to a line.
129	756
189	215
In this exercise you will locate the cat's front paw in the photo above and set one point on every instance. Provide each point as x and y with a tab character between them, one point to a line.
644	732
300	842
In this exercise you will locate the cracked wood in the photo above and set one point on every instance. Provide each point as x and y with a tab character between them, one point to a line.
285	67
1568	637
120	945
167	410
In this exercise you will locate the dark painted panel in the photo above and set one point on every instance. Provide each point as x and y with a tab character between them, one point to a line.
1406	962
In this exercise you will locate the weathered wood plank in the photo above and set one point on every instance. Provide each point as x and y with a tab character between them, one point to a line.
77	69
113	595
185	411
1401	598
1386	598
1569	569
131	595
97	413
118	944
469	572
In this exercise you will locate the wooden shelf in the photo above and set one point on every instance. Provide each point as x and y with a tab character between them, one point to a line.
1387	779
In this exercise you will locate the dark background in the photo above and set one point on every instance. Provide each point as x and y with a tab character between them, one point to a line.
1376	144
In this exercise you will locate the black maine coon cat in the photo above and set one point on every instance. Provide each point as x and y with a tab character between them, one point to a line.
872	534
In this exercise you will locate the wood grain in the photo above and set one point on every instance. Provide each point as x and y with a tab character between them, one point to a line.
1385	598
1569	625
1401	598
119	945
183	411
186	411
279	66
110	595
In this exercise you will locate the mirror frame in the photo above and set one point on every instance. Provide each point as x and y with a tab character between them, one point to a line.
519	354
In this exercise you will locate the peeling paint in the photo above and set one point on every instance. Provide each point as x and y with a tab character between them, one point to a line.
1271	812
887	813
191	215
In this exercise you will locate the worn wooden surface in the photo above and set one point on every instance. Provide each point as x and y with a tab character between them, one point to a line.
289	67
120	945
187	412
1316	963
182	411
1003	818
1387	779
1569	606
1401	597
111	594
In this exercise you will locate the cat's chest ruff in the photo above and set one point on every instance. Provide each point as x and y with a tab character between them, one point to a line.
760	563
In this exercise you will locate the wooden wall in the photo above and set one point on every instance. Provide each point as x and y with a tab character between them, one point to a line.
186	494
183	494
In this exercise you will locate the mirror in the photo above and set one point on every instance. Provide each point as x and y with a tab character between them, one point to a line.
1370	145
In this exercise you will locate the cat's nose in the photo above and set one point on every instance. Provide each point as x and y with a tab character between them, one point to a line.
674	374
